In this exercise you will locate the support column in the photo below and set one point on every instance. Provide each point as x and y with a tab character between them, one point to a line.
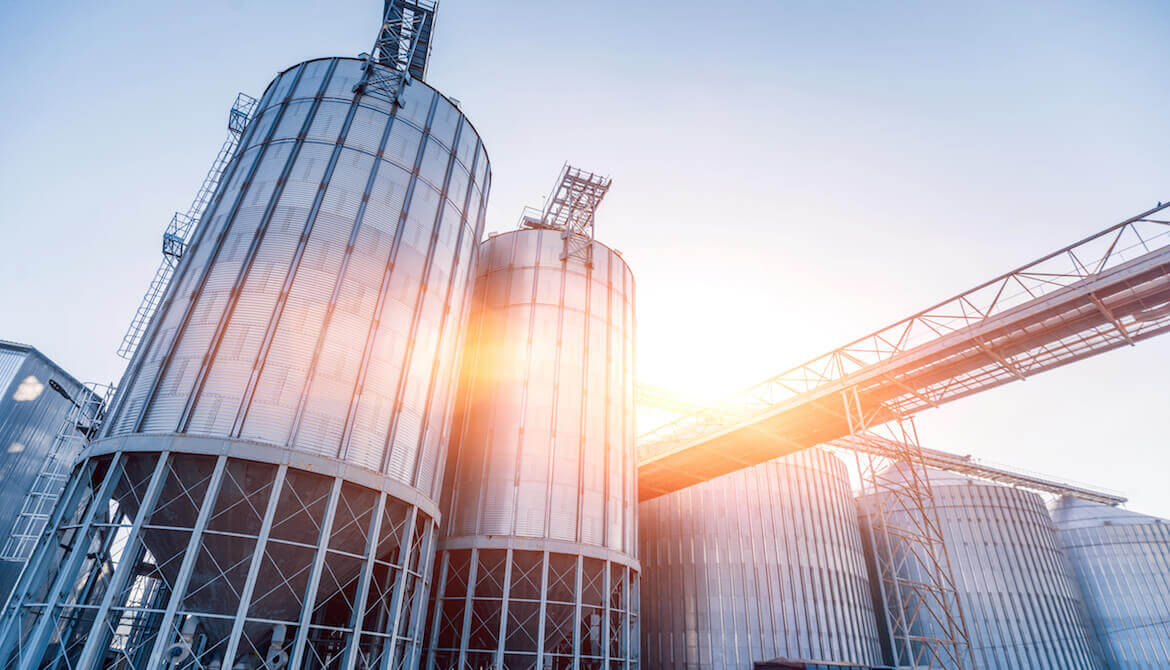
39	639
98	636
168	621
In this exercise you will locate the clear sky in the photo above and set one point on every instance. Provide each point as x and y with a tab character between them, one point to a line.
787	175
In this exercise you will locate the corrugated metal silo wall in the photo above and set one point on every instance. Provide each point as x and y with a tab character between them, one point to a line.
759	564
536	566
1123	568
28	428
1019	600
322	304
288	410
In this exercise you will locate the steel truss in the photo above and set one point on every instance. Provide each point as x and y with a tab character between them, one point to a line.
920	611
178	232
571	208
400	51
912	575
1108	290
876	445
521	603
200	562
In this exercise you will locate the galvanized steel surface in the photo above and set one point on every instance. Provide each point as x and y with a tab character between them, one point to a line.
266	488
545	443
31	413
1122	563
1019	598
193	561
500	606
762	563
322	304
541	476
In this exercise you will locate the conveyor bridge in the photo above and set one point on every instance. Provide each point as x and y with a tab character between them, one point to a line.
1108	290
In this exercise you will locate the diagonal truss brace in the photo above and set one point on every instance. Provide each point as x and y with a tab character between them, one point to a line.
925	625
662	399
401	50
571	208
1105	290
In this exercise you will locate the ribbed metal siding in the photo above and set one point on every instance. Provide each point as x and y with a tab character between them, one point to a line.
322	303
10	362
28	429
546	442
540	493
762	563
1122	563
1019	599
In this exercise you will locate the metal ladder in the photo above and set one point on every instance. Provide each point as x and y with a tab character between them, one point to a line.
178	232
77	428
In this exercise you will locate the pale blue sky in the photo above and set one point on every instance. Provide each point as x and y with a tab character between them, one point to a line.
787	175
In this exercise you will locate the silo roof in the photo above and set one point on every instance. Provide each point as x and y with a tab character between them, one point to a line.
1069	513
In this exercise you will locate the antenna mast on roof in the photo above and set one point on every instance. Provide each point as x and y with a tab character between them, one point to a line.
401	49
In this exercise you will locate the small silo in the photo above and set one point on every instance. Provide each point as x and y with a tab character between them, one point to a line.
1018	596
536	565
759	564
1122	563
32	414
266	489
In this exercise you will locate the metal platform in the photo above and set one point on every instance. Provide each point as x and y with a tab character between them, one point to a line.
570	208
401	51
178	232
662	399
1106	291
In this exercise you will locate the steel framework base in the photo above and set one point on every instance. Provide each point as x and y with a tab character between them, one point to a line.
528	604
201	562
913	583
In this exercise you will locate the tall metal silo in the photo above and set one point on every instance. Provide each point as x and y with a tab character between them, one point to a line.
34	462
266	489
759	564
536	566
1122	563
1019	598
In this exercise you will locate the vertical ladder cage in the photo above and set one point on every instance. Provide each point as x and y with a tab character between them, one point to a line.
178	232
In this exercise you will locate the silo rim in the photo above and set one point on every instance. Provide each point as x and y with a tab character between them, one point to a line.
457	105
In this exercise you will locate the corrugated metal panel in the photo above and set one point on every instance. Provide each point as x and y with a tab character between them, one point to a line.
534	455
313	315
1122	563
312	77
416	105
548	455
445	122
30	416
10	362
306	288
138	385
366	131
1019	599
762	563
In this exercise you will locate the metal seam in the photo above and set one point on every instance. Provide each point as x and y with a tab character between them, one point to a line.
197	292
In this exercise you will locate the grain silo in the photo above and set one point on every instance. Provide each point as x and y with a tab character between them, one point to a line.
266	489
1019	598
536	567
760	564
1122	563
